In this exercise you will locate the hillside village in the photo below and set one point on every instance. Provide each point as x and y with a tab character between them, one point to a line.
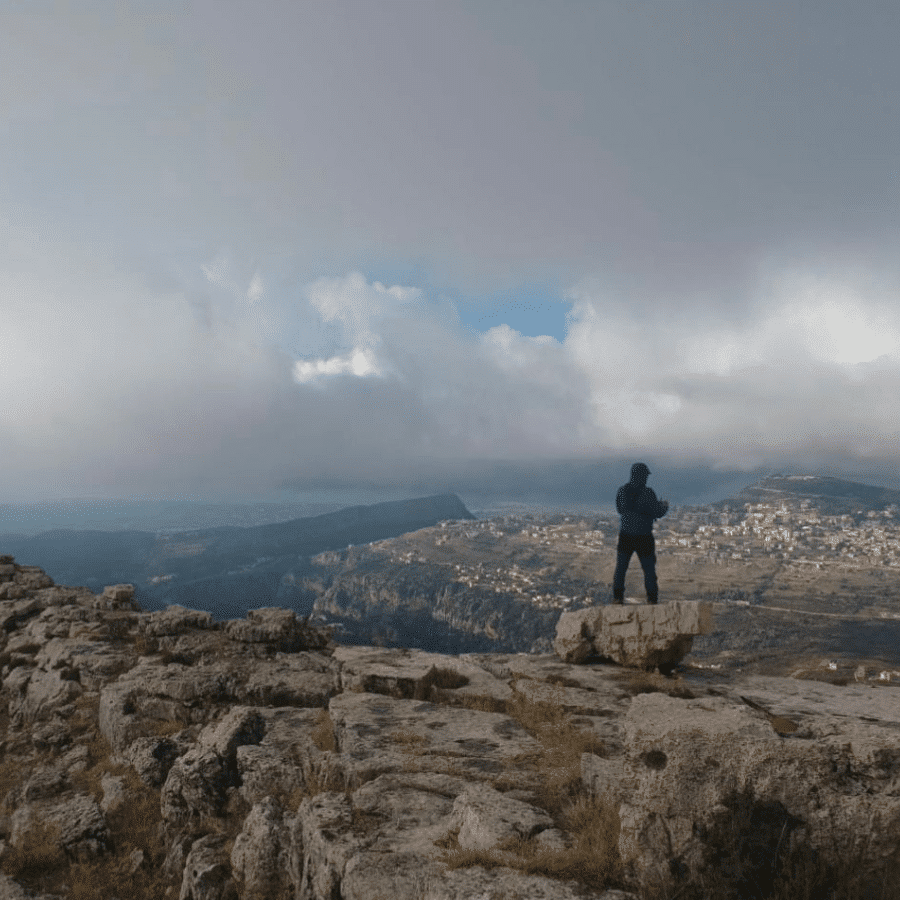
793	531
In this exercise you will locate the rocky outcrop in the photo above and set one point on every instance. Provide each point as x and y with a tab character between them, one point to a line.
648	636
806	764
166	755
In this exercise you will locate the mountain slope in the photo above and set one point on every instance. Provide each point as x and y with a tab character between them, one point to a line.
102	557
833	495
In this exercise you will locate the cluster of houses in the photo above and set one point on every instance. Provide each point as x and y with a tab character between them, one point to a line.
796	531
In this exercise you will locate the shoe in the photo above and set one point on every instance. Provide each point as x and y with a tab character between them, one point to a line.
619	600
653	600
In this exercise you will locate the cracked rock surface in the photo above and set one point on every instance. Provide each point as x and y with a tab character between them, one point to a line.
274	763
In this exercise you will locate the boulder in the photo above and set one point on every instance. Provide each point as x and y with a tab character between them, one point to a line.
117	596
174	620
369	773
277	628
648	636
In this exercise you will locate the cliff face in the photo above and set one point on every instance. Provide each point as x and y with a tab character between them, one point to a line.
422	610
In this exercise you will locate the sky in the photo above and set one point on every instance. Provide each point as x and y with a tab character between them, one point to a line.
251	249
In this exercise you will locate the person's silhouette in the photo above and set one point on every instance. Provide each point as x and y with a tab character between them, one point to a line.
638	507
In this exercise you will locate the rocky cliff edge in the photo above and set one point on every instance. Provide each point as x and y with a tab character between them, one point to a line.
149	755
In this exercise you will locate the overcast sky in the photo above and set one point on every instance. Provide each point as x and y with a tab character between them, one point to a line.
247	244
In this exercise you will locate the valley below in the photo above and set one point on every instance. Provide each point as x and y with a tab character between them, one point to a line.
804	573
500	586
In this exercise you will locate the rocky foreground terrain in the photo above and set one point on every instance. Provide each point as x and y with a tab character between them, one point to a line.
162	754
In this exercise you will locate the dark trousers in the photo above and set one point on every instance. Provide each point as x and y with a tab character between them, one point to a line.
645	547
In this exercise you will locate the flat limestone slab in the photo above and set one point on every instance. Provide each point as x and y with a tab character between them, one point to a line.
646	636
378	734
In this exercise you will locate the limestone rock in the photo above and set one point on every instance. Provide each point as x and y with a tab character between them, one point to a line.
174	620
826	758
276	628
486	817
152	758
198	782
207	871
259	859
83	829
282	765
113	793
117	596
647	636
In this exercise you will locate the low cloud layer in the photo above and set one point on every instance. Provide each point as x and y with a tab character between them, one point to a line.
247	246
114	389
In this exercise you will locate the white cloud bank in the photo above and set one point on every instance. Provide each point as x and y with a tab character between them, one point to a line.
113	389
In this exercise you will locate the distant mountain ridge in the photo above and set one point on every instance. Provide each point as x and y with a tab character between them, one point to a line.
107	557
833	494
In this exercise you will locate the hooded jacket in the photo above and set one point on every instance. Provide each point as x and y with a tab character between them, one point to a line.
639	513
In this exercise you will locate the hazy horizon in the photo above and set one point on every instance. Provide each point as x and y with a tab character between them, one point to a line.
255	250
172	515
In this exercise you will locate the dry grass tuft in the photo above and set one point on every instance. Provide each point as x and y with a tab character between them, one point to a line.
635	682
593	858
131	869
39	859
145	645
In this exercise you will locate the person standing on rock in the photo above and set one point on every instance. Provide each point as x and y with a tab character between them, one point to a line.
638	507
